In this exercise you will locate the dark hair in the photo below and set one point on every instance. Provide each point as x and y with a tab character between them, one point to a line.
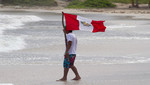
70	31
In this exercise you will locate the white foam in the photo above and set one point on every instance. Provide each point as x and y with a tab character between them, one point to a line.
116	38
140	61
112	27
6	84
126	38
9	43
112	59
15	21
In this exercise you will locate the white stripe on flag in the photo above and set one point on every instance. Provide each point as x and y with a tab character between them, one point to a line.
85	24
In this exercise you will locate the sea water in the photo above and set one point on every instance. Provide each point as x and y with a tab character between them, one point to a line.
37	38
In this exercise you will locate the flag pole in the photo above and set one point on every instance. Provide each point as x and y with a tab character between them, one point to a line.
64	29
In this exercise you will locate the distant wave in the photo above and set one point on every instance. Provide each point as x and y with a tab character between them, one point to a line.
11	42
115	38
15	21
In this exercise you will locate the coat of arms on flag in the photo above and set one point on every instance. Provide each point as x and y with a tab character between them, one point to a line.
85	24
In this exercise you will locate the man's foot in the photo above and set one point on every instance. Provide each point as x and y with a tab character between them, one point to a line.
62	79
77	78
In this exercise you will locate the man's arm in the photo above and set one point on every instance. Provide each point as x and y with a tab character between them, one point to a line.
67	49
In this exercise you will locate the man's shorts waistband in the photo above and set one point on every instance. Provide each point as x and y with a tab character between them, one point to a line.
72	54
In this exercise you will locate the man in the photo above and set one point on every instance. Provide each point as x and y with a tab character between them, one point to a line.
70	55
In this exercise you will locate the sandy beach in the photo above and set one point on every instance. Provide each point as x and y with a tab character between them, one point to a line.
124	59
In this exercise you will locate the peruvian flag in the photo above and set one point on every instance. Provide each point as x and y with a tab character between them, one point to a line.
75	22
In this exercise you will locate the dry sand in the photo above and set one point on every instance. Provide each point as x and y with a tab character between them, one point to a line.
142	13
120	9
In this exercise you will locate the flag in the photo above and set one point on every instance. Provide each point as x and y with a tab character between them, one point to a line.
75	22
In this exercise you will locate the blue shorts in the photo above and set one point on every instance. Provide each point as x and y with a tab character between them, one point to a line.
68	64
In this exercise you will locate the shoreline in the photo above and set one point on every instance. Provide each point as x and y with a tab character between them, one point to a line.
60	9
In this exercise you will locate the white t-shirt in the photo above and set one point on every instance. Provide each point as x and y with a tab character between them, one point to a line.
72	37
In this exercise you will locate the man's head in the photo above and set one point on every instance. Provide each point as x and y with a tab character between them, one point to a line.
67	31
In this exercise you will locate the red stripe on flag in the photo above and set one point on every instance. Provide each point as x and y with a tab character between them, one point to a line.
98	26
71	22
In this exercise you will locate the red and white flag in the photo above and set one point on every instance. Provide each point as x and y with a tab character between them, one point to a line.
75	22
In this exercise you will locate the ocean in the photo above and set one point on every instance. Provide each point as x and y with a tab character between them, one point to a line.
36	38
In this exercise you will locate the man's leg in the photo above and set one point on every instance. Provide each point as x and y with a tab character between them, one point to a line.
74	69
66	69
64	78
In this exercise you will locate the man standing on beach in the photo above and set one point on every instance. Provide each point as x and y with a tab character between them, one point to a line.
70	55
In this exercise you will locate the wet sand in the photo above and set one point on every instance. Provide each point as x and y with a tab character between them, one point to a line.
127	74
